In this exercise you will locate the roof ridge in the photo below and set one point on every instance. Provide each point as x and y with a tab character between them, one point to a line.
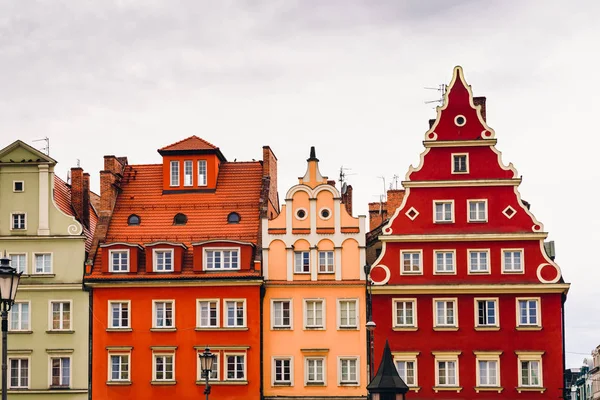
190	138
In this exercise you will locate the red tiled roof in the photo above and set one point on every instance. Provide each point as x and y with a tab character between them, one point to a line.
191	143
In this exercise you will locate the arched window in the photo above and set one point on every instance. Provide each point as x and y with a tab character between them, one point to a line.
180	219
133	220
233	218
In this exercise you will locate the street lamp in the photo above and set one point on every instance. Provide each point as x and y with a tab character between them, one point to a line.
9	282
207	360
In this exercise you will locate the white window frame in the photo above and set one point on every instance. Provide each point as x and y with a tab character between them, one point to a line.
453	156
216	367
110	366
186	164
470	270
329	268
487	356
111	261
395	303
408	357
435	262
19	303
110	314
202	178
199	311
485	210
505	270
341	381
12	220
476	301
339	313
323	313
306	371
34	265
154	314
528	356
412	252
301	271
221	250
174	173
538	312
226	317
15	186
447	357
9	372
443	203
155	260
60	356
274	381
51	314
155	355
453	300
20	268
226	365
274	325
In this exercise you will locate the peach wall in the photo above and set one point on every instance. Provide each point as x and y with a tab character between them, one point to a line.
279	221
325	199
350	260
301	201
277	260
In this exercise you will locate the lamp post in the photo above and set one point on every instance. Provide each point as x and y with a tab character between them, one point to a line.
206	363
9	282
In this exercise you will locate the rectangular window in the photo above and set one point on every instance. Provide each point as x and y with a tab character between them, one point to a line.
208	311
479	261
164	367
487	312
43	263
19	316
405	313
411	262
214	372
528	312
19	262
488	372
443	211
326	262
163	260
282	371
60	371
460	163
315	371
301	262
19	373
18	221
349	371
61	315
18	186
281	310
477	210
445	313
407	371
119	260
164	314
119	367
119	314
236	367
201	173
530	373
347	314
188	173
174	173
235	310
314	314
446	373
217	259
512	261
444	262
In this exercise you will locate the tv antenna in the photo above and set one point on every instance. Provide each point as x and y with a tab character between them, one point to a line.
394	183
384	189
343	175
442	89
45	149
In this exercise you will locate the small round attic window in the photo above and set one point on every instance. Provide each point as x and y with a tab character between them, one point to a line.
325	213
233	218
180	219
133	220
300	213
460	120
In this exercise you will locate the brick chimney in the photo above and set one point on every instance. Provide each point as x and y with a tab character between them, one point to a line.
77	192
347	199
394	199
86	199
270	170
480	101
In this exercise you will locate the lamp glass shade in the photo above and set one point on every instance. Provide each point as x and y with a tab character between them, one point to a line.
9	282
207	360
371	326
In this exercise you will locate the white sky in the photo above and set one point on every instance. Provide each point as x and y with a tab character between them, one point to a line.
127	77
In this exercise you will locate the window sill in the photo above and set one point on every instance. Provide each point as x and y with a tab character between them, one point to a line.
326	272
528	328
348	384
456	389
226	328
513	272
414	388
41	276
445	328
314	384
314	328
405	328
60	332
276	384
488	389
530	389
170	329
347	328
487	328
411	273
163	383
119	329
281	328
218	383
443	222
118	383
220	269
20	332
301	273
479	272
59	387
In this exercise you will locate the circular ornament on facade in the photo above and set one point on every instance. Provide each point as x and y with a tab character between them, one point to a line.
301	214
325	213
548	273
486	134
460	120
432	136
380	274
536	228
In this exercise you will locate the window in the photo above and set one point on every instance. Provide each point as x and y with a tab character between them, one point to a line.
61	315
460	163
486	312
235	310
119	260
528	312
443	211
478	261
530	369
180	219
446	373
512	261
444	261
301	262
18	221
164	314
202	173
217	259
406	364
282	314
236	367
477	210
348	371
405	313
445	313
233	218
60	371
208	313
315	371
19	262
188	173
214	372
164	367
174	173
301	214
119	314
282	371
325	213
347	317
314	314
19	316
18	186
163	260
43	263
119	367
487	373
326	262
18	373
411	262
133	220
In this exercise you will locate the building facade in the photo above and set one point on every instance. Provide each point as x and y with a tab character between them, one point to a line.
176	270
464	289
46	227
314	305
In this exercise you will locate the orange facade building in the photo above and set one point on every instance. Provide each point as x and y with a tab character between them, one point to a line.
176	269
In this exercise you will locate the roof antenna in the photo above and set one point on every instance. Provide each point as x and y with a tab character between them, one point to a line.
78	163
343	174
45	149
394	184
384	189
442	89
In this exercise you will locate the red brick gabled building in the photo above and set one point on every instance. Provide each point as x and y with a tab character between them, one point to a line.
176	268
464	290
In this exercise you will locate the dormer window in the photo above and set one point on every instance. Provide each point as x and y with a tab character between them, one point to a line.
163	260
133	220
233	218
180	219
202	173
188	173
174	173
221	259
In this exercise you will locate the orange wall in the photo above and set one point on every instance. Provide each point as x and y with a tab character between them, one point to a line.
212	171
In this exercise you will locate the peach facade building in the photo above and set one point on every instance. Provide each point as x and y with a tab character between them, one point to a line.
314	342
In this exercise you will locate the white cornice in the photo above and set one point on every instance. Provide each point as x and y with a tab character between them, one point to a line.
472	289
460	143
461	183
468	237
161	282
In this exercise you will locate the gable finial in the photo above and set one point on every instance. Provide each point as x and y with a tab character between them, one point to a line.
313	154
